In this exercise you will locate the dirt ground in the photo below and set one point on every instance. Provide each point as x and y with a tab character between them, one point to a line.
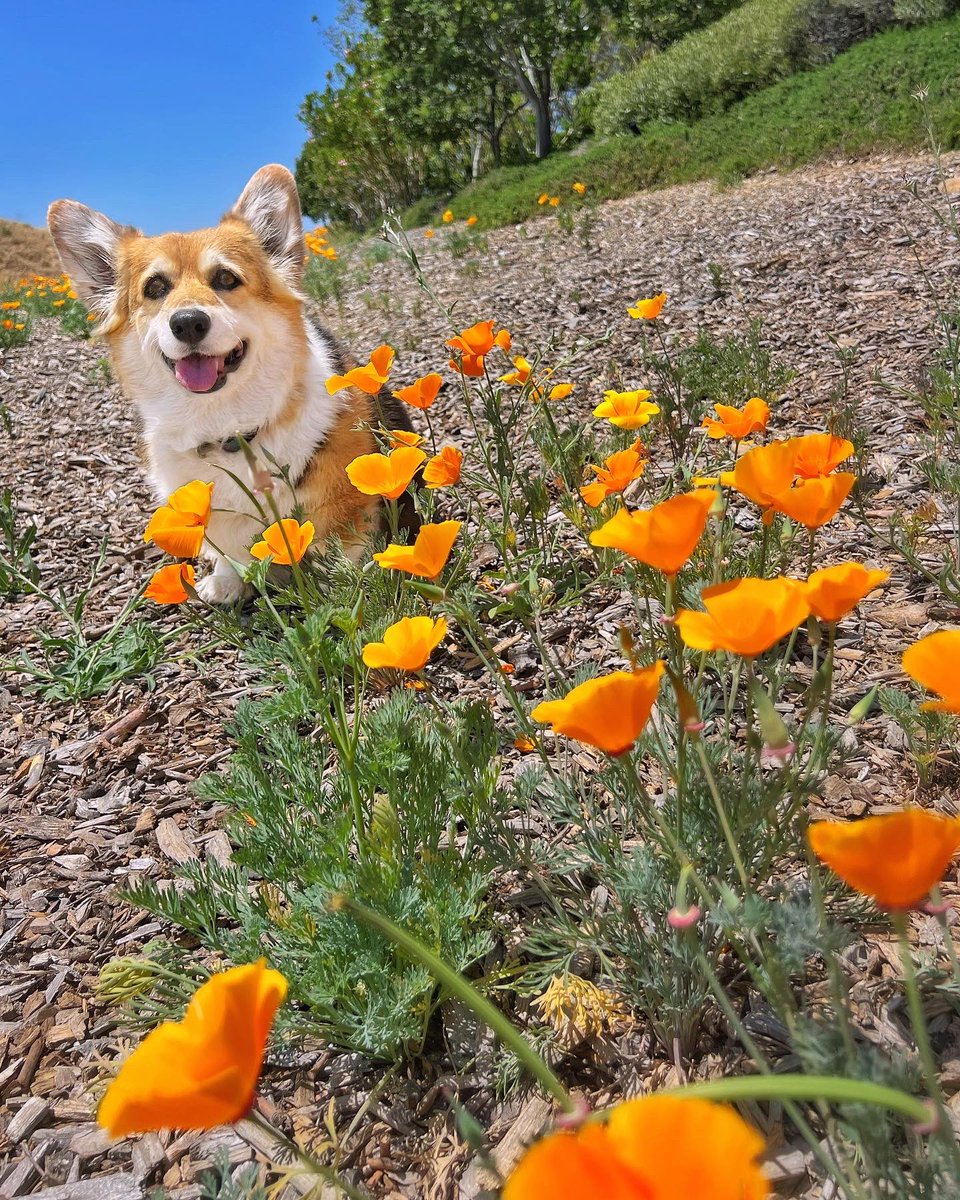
25	250
95	795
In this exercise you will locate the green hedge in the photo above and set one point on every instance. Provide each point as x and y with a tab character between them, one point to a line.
862	101
748	49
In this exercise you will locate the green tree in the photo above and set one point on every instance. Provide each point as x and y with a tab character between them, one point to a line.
358	161
478	54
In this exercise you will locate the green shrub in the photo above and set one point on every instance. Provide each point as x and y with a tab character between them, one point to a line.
862	101
750	48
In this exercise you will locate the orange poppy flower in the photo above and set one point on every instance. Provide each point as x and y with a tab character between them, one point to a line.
579	188
764	473
443	470
560	391
472	220
447	217
167	585
178	527
274	543
745	616
386	475
403	437
814	502
429	233
202	1071
427	556
664	536
817	454
609	712
369	378
934	662
474	344
738	423
713	1153
627	410
543	198
407	644
422	392
648	310
835	591
896	858
8	323
616	474
520	374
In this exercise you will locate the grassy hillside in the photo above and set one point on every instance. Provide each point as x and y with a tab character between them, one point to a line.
863	101
25	250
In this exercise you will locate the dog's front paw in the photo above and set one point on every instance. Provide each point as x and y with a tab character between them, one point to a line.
222	588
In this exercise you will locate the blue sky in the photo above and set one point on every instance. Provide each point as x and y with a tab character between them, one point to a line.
155	113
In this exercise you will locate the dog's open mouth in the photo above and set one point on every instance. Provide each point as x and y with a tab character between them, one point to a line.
206	372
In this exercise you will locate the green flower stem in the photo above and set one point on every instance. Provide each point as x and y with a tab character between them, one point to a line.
921	1034
833	1089
307	1161
459	987
722	814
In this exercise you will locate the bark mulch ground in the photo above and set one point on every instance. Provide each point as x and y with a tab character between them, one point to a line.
96	794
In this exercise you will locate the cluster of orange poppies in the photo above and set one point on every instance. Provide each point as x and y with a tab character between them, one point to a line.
316	243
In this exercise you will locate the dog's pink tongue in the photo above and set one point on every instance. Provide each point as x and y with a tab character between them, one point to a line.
198	372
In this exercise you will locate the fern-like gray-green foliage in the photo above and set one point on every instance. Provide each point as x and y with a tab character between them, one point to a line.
291	806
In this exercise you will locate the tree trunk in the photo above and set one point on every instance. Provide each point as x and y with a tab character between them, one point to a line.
534	84
477	159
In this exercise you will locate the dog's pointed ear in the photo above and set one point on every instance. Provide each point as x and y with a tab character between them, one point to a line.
271	207
87	243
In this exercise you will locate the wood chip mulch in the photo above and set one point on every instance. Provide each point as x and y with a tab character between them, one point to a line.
94	795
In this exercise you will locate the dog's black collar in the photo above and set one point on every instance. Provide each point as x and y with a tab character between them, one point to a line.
229	445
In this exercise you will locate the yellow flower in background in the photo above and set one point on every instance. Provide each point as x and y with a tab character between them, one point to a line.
649	309
284	542
554	201
448	217
9	305
472	220
407	644
579	188
560	391
627	410
429	233
543	198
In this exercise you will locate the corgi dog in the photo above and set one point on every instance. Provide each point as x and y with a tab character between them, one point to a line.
210	338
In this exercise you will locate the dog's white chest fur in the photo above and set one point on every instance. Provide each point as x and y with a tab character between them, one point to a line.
177	423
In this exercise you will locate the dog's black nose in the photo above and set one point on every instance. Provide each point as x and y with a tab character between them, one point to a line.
190	325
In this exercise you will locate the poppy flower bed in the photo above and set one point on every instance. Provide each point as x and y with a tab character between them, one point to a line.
569	765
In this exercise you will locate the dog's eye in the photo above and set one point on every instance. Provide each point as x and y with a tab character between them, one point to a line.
156	287
225	281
